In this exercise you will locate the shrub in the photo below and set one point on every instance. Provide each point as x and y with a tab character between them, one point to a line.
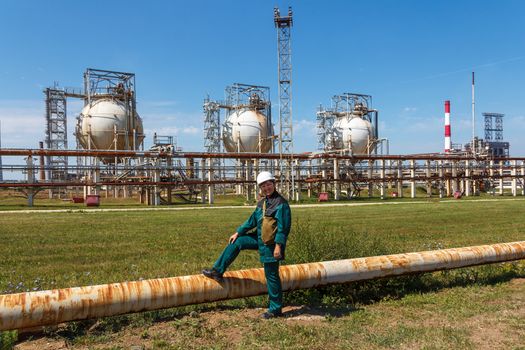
8	339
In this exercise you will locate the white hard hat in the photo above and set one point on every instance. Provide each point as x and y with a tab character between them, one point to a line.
264	176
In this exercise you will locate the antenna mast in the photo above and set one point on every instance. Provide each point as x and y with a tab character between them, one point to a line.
284	49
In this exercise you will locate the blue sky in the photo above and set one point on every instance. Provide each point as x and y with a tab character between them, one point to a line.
409	55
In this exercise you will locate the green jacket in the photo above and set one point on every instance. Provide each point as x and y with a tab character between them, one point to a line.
278	208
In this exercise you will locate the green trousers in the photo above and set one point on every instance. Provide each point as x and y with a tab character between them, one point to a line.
271	270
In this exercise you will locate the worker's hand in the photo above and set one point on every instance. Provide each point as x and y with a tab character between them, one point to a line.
233	237
277	254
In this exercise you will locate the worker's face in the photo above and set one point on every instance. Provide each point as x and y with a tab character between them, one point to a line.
267	187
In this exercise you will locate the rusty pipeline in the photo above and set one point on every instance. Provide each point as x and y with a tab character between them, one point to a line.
32	309
242	155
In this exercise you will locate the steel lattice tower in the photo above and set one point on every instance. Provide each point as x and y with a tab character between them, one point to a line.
284	48
212	132
325	124
212	128
493	132
56	132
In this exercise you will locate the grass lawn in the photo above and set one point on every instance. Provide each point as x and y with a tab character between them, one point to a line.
467	308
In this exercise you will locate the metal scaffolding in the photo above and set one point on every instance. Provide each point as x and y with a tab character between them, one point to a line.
345	105
284	49
102	83
238	98
493	126
325	124
212	126
98	84
212	131
242	96
118	86
494	134
56	133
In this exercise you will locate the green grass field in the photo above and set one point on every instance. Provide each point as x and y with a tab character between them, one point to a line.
438	310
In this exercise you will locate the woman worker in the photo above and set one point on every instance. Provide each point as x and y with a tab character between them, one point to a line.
272	217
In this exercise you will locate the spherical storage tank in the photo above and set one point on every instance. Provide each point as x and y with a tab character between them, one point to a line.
99	119
354	133
243	130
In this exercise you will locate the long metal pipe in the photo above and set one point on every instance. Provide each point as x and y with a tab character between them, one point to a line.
419	178
26	310
241	155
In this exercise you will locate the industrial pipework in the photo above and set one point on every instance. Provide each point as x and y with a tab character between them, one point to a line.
27	310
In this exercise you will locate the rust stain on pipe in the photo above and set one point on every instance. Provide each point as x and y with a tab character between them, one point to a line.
26	310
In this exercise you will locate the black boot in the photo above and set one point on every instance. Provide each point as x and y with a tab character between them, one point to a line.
267	315
213	274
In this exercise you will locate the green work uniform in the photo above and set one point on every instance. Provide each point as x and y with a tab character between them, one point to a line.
278	208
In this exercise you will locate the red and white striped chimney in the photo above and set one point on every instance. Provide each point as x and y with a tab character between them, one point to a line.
448	142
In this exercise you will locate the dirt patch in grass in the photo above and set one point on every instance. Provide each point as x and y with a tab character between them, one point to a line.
517	282
230	326
42	344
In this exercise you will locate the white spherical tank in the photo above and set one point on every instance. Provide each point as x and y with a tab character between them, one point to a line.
354	133
97	122
247	131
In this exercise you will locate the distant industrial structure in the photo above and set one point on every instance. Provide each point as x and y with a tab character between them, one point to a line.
247	123
492	145
494	135
109	119
350	126
247	127
56	131
240	139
